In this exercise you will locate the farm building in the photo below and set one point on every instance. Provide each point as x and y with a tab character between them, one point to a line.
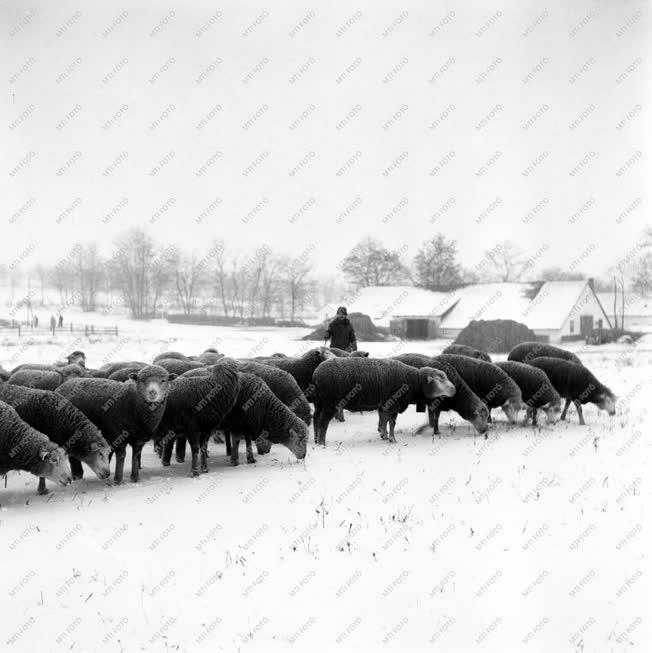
638	310
555	310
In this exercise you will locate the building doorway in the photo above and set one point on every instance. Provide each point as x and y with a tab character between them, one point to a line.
416	329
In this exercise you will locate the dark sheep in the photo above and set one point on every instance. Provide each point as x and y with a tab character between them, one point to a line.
24	448
465	350
178	366
210	357
109	368
259	413
576	383
536	390
372	384
464	402
124	374
44	367
77	357
196	406
492	385
283	385
301	368
46	379
4	375
528	351
125	413
53	415
166	355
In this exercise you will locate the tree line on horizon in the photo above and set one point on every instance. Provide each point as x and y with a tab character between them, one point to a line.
148	278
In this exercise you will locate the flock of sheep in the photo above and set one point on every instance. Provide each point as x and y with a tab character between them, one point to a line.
55	417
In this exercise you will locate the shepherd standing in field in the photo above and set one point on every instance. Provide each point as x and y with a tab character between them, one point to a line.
341	333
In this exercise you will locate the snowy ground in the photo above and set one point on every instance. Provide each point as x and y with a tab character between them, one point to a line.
535	539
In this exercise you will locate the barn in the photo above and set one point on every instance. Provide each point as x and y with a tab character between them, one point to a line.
555	310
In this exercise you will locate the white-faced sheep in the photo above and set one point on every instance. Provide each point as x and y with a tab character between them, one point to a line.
24	448
575	383
125	413
65	425
372	384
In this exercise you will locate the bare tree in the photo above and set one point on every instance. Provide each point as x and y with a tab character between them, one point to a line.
296	282
505	261
189	274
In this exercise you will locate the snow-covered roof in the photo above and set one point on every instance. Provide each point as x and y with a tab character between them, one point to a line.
482	301
488	301
381	303
553	304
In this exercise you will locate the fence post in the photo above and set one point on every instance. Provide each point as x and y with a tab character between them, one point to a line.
86	329
19	330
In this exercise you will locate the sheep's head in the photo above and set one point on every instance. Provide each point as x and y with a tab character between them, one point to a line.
152	383
512	406
54	464
435	383
607	401
360	354
98	459
77	358
479	417
295	438
263	445
552	410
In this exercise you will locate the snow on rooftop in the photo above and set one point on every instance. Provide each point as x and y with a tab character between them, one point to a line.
483	301
552	305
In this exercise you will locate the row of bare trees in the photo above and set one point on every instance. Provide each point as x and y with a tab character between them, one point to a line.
149	278
436	266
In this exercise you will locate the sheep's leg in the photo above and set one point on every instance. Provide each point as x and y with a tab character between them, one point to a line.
227	442
382	426
566	406
235	446
578	405
392	424
339	415
526	419
315	422
193	440
324	419
250	453
76	468
180	449
534	416
489	420
166	454
135	461
120	455
379	420
204	453
41	486
433	418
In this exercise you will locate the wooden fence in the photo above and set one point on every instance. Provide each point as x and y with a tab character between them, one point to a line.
25	329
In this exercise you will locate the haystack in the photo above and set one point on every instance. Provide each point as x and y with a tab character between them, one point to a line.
494	336
365	329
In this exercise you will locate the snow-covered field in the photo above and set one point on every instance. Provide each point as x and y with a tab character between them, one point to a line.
535	539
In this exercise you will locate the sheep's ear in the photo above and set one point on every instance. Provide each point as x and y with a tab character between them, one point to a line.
133	376
43	454
172	376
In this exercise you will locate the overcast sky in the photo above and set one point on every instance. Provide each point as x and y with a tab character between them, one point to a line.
407	101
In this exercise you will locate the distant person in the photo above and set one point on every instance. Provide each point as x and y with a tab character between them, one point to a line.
53	323
341	333
36	321
60	320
